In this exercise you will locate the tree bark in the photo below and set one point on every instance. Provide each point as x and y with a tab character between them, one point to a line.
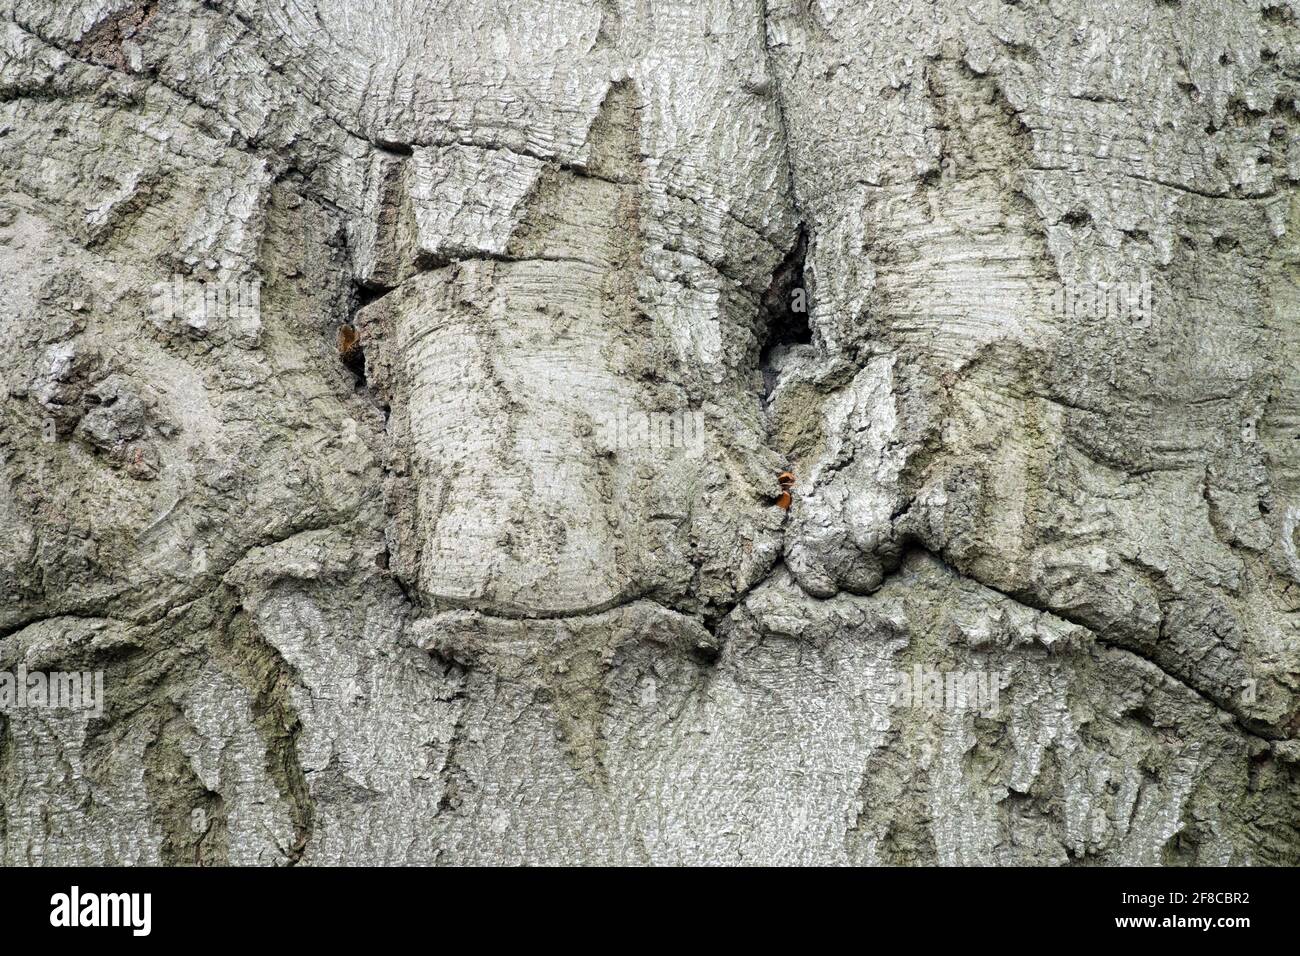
691	431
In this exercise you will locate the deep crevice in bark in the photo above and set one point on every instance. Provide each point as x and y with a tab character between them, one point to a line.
785	308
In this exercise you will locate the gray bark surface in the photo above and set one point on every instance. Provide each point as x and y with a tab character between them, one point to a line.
388	570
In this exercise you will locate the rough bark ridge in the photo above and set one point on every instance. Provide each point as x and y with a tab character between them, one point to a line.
463	543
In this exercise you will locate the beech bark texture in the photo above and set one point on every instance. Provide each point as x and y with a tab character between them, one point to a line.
444	524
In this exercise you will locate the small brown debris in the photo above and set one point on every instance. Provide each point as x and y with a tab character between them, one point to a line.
785	499
350	352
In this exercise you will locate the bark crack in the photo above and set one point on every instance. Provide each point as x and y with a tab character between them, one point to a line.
1028	601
